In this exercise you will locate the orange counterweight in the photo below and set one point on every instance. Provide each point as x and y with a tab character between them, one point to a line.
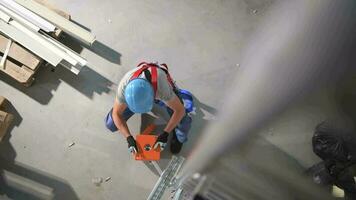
145	142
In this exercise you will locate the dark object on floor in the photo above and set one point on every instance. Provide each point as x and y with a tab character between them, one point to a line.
334	141
320	174
343	179
199	197
335	144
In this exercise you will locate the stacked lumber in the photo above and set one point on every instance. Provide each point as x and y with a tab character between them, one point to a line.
5	118
29	35
20	64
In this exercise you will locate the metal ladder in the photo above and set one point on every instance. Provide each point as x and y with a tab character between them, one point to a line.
166	178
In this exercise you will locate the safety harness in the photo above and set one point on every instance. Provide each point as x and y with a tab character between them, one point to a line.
153	76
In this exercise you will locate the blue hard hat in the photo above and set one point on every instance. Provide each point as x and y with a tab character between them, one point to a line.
139	95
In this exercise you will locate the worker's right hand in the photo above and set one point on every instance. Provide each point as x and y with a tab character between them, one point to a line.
161	141
131	144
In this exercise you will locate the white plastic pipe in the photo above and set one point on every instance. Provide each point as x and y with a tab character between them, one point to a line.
27	15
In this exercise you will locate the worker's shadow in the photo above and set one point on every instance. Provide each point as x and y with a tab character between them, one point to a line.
88	82
203	114
19	181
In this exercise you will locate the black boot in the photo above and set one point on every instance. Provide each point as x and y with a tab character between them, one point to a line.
176	146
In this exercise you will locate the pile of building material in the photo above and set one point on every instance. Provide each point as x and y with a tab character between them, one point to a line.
5	118
30	25
20	63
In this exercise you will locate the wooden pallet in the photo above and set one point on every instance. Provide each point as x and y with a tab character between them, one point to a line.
21	64
5	118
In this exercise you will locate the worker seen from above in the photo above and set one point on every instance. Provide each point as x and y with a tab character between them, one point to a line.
138	91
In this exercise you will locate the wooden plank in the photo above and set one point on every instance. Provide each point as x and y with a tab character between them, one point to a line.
39	44
68	58
29	82
31	41
23	55
20	54
5	122
2	102
24	72
20	73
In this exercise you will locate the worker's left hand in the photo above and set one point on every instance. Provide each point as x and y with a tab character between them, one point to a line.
161	141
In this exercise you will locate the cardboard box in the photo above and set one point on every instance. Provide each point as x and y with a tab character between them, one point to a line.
5	122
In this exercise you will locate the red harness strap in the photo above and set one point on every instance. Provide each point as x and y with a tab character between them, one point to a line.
164	68
154	74
154	77
138	72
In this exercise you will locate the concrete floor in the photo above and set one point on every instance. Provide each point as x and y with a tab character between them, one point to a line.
200	40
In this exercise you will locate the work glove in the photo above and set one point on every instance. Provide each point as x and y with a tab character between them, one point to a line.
131	144
161	141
